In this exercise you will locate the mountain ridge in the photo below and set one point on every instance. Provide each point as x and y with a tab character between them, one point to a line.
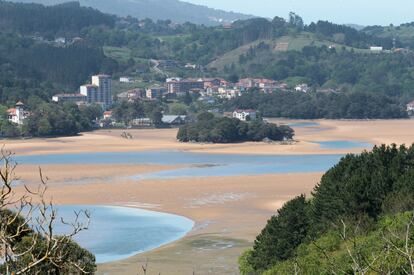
174	10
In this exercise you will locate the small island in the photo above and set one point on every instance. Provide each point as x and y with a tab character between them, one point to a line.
209	128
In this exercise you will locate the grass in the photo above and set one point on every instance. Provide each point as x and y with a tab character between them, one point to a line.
121	54
117	53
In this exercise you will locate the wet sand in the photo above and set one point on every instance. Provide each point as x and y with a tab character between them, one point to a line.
229	211
373	131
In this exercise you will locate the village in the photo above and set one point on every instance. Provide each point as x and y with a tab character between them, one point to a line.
206	90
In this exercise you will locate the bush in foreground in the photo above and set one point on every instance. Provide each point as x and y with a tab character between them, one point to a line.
358	221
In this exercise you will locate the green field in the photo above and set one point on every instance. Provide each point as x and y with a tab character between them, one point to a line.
119	54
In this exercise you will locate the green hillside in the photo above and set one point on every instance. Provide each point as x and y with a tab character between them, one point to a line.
282	44
403	34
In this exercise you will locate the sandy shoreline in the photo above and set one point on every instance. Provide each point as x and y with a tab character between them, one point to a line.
372	131
227	210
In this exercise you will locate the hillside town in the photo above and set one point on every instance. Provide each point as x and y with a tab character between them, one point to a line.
207	90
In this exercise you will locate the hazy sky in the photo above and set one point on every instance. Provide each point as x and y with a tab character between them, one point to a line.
365	12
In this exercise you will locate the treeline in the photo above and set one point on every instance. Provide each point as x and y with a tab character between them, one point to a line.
349	36
50	120
126	112
229	130
49	21
320	105
355	220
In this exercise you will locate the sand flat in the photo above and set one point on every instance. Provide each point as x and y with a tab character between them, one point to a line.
373	131
227	210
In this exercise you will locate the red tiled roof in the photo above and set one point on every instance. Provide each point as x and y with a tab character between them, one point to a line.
11	111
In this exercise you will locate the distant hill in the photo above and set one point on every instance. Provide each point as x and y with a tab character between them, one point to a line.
355	26
175	10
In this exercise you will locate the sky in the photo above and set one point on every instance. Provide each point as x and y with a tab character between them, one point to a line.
362	12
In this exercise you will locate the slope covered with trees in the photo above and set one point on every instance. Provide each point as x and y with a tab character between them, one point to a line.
175	10
354	105
358	219
48	21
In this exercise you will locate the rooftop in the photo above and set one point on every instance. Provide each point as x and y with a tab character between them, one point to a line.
69	95
245	111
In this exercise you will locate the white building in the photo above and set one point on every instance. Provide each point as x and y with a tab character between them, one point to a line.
410	107
18	114
125	79
104	84
155	92
304	88
376	49
228	93
245	115
99	92
74	98
91	93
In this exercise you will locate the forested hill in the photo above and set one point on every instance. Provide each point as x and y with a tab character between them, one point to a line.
50	20
403	33
175	10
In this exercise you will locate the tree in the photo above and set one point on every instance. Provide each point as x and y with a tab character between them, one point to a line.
282	234
27	237
178	109
156	116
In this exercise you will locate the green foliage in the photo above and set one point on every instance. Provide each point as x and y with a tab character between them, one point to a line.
244	266
65	19
357	216
67	252
351	37
370	251
361	184
127	111
178	109
48	120
229	130
29	68
282	234
359	105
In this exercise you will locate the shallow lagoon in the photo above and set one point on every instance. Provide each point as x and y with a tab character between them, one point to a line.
200	164
344	144
116	233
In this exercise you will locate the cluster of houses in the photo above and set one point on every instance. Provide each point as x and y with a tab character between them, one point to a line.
208	89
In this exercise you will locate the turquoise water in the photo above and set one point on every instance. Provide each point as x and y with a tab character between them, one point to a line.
116	233
344	144
303	124
201	165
